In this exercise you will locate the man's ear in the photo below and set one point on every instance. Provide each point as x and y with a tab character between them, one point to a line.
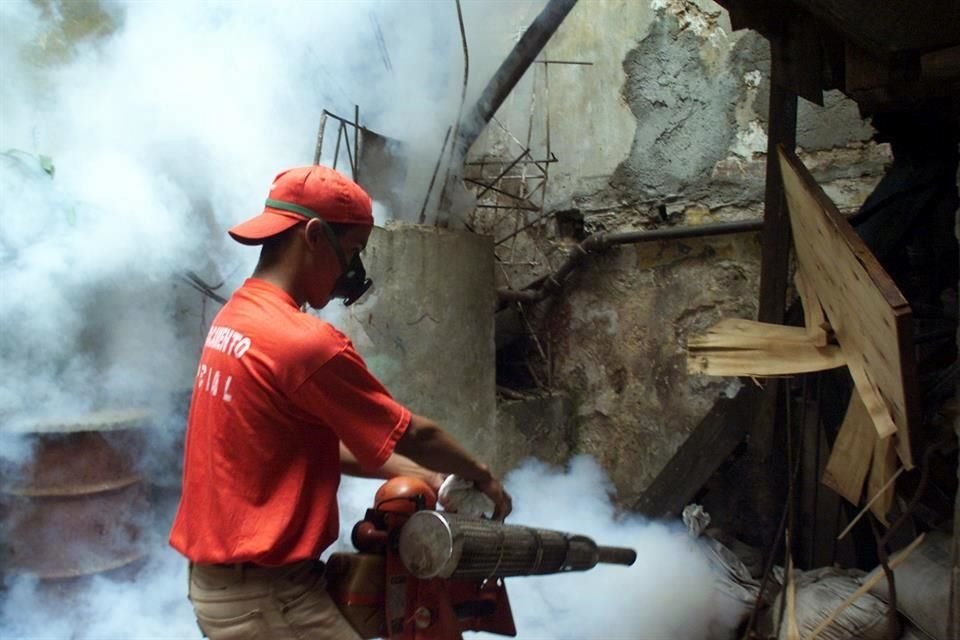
314	234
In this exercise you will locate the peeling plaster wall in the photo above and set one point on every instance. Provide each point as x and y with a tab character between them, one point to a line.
665	125
619	337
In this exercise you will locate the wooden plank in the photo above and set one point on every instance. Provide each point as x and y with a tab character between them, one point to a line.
872	397
701	454
884	467
814	319
852	452
736	347
868	584
748	334
792	630
785	360
869	316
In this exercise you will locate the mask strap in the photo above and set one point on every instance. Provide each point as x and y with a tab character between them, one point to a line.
310	213
332	238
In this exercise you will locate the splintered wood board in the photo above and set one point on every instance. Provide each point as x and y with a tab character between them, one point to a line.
813	318
869	316
884	467
737	347
852	452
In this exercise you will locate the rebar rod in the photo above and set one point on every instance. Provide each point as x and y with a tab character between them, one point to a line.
319	149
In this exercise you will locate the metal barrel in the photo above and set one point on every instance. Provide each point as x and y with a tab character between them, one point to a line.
438	544
76	506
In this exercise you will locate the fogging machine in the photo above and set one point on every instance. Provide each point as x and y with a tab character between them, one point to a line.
422	574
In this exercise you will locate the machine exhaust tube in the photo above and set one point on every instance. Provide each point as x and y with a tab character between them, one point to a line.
617	555
436	544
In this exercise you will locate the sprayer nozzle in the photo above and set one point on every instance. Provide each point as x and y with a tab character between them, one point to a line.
617	555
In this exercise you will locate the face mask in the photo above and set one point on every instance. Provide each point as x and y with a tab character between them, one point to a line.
353	282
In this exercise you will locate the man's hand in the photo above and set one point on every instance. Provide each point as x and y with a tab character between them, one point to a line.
430	446
502	502
433	478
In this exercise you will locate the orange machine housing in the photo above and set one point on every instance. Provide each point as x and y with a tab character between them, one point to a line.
382	599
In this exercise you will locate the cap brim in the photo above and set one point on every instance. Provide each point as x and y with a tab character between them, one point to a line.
266	225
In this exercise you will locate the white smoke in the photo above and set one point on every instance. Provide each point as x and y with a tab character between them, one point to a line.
668	593
126	153
164	132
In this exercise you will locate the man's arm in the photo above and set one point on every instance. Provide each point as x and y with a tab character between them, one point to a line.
424	442
396	465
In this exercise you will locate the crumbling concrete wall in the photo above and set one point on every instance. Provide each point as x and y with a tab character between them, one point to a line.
426	328
663	123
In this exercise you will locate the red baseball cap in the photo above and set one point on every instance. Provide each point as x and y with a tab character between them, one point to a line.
303	193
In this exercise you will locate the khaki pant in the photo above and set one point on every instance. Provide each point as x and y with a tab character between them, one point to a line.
273	603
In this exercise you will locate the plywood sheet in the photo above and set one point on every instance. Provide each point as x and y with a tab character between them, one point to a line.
869	316
852	452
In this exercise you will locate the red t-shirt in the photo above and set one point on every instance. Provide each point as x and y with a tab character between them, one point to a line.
275	393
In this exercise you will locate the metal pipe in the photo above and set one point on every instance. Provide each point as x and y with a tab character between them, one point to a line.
544	286
678	233
356	142
511	70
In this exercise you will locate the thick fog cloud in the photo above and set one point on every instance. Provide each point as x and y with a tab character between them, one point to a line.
161	129
128	144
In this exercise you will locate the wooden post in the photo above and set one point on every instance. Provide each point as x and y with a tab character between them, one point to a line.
775	235
953	621
767	493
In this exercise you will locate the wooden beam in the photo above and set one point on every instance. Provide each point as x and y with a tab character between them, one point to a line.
953	616
891	28
803	56
701	454
775	236
775	246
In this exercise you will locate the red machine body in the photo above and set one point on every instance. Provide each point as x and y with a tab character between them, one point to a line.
382	598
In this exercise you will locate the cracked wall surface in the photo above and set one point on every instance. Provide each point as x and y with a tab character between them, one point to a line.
619	336
665	126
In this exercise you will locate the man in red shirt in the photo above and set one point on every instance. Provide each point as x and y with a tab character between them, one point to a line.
282	404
